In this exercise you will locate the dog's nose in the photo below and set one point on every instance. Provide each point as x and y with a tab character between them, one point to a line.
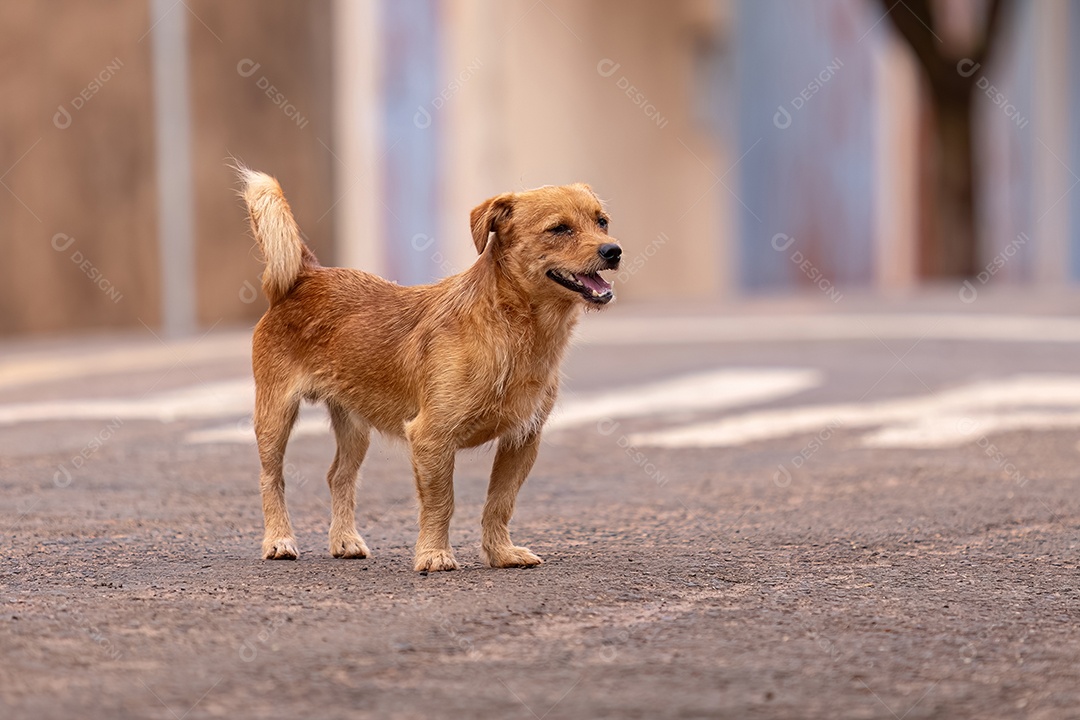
610	252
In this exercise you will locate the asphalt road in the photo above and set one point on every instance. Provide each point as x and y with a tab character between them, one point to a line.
865	510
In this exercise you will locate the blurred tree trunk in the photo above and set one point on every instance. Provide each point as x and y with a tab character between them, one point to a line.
956	248
951	74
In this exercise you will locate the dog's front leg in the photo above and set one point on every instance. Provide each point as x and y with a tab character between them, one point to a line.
433	466
513	461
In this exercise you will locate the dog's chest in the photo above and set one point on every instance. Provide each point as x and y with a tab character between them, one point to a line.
517	382
517	404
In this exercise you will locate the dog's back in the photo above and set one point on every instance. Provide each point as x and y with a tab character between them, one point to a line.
343	333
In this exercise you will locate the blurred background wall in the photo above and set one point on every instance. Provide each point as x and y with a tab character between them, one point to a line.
743	146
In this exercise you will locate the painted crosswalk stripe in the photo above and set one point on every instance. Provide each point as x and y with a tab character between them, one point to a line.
941	419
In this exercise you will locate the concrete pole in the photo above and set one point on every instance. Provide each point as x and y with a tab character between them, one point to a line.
176	206
896	141
355	142
1051	147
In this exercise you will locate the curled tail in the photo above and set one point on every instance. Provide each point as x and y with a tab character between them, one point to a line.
276	231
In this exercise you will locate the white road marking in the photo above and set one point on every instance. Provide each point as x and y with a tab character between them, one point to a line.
618	330
942	419
210	400
312	421
955	430
714	390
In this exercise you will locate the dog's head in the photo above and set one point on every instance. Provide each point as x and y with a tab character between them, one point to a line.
553	239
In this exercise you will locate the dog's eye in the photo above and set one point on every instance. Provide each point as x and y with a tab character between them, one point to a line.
602	222
560	229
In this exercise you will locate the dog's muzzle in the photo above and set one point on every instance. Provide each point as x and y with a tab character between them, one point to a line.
590	286
611	253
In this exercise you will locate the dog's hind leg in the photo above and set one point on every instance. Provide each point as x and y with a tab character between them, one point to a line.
433	466
275	415
513	461
353	437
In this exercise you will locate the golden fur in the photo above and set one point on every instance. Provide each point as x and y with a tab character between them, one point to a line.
452	365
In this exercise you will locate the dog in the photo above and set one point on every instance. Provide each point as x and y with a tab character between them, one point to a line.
466	361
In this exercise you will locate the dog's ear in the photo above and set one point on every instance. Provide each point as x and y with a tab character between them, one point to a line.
486	217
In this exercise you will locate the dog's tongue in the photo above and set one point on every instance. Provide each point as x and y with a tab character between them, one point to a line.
595	283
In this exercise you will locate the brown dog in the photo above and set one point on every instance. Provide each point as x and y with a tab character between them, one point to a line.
470	359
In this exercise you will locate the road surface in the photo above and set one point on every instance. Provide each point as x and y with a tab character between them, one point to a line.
790	509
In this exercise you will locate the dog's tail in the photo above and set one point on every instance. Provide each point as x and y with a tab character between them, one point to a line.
276	231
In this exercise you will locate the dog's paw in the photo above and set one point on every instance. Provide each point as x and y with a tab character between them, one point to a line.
511	556
435	560
280	549
348	545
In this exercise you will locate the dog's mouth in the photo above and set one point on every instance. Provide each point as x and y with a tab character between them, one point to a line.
590	285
